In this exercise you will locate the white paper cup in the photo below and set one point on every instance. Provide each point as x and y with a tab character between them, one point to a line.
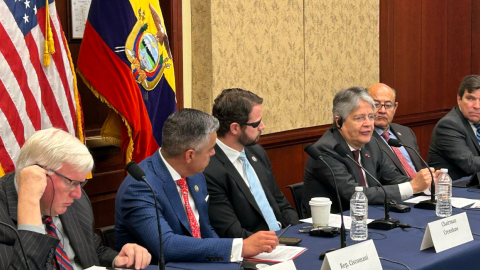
320	208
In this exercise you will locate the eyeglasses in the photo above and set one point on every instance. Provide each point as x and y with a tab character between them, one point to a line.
72	184
388	106
254	124
361	118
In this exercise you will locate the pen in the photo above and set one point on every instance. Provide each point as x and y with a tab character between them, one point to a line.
280	235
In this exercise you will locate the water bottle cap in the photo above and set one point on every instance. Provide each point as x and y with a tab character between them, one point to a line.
443	170
358	188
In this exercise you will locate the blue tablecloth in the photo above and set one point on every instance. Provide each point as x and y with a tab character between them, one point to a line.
401	245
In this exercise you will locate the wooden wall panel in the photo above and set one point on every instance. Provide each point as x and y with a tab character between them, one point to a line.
475	36
407	55
433	55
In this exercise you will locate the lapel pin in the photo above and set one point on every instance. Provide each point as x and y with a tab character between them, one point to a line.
367	155
399	134
254	158
196	188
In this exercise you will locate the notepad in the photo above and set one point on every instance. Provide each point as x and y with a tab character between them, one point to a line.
279	254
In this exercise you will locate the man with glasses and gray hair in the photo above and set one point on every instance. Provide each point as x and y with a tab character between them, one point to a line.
50	173
353	125
175	173
405	159
239	177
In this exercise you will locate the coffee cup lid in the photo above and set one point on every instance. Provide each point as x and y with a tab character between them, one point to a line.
320	199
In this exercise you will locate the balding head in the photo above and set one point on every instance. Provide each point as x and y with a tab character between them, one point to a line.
385	104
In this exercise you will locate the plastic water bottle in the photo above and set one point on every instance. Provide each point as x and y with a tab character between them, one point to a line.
443	191
359	214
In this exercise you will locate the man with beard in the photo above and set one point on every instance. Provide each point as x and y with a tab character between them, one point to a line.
244	196
405	159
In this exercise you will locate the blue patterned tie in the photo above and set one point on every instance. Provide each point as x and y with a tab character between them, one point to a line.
259	194
477	126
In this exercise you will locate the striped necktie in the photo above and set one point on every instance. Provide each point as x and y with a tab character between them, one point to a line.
62	262
408	169
477	126
259	194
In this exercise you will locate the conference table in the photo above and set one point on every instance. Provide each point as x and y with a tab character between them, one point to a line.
401	245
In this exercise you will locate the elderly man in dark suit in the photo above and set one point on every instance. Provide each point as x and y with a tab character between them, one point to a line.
353	125
175	173
405	159
50	173
244	196
455	138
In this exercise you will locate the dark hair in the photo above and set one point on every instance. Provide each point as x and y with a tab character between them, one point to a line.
233	106
187	129
347	100
469	83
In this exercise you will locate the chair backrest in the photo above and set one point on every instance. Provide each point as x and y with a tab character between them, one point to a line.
297	194
108	236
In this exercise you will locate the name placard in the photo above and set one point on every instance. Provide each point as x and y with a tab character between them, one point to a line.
357	257
447	233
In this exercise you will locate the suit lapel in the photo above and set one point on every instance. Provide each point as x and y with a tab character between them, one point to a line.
170	188
367	163
388	151
72	229
12	197
232	171
469	129
353	167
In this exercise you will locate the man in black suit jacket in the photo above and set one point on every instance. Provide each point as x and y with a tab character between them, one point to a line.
353	111
454	144
43	185
385	108
234	210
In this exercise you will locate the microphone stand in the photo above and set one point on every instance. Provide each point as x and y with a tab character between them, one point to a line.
427	204
385	223
315	154
137	173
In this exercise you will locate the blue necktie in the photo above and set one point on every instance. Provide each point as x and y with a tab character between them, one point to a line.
477	126
259	194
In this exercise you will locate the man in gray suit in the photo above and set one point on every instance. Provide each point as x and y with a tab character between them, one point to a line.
353	118
405	159
455	138
50	173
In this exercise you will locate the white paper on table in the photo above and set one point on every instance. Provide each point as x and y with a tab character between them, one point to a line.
279	254
102	268
288	265
476	204
457	202
336	221
417	199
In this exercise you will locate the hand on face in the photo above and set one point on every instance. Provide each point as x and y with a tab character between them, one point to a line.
31	182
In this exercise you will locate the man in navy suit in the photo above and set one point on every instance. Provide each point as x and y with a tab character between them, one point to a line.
175	174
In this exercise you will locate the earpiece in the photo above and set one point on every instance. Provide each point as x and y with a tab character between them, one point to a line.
339	122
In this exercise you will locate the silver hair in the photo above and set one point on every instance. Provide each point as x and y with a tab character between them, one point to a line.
347	100
187	129
53	148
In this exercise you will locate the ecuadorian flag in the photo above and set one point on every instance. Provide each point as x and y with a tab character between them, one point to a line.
125	59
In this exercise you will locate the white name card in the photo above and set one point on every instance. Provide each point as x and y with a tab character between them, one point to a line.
360	256
447	233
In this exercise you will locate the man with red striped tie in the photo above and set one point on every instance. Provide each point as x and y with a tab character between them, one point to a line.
50	173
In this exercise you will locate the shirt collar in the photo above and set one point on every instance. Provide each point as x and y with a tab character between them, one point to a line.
351	148
231	153
175	175
380	131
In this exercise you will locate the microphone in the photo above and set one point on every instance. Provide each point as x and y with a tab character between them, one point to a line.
138	174
427	204
19	242
385	223
316	155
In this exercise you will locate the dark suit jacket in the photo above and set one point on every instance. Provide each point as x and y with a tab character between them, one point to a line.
454	146
233	210
135	219
319	182
407	137
40	248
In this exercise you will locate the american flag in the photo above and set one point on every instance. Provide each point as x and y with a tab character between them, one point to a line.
33	96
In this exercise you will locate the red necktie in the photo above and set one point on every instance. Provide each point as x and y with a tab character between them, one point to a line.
182	183
356	154
62	262
408	169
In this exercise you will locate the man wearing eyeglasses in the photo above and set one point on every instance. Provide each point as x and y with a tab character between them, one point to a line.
351	134
405	159
50	171
244	196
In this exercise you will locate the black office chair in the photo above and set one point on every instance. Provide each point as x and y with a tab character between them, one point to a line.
108	236
297	194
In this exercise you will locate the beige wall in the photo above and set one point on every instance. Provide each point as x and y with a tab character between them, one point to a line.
294	53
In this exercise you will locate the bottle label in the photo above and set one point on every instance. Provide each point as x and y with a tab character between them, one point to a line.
447	233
